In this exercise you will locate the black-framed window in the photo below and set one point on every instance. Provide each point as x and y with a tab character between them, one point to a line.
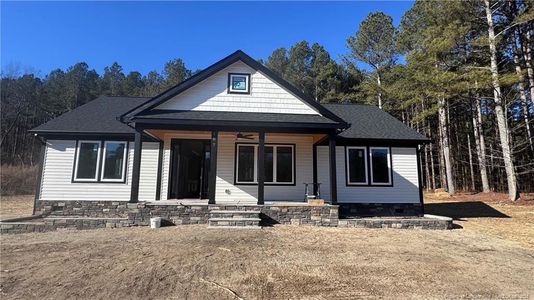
238	83
246	163
380	165
113	162
100	161
279	164
357	166
87	161
368	166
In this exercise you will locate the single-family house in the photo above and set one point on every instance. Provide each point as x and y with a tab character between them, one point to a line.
233	137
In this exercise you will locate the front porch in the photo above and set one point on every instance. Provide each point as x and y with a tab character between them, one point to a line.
209	167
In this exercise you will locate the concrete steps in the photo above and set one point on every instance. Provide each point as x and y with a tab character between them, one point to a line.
249	219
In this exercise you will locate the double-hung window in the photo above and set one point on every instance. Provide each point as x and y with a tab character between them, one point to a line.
87	161
113	166
357	166
100	161
380	166
368	166
279	167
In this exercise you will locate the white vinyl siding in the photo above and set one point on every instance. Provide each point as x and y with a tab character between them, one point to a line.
148	177
58	171
405	187
265	95
226	191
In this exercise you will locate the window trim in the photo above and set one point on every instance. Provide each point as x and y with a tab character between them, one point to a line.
390	168
124	162
247	81
347	166
274	182
77	157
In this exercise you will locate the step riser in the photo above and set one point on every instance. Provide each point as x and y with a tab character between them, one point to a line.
233	216
234	223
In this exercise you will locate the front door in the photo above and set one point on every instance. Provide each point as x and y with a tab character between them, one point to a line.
190	163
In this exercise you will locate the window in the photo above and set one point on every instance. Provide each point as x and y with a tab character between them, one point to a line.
87	159
238	83
357	166
380	166
246	167
113	166
278	164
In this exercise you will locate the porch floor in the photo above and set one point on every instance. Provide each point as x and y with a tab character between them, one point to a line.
205	202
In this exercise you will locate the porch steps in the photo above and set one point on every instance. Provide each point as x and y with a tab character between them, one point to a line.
234	219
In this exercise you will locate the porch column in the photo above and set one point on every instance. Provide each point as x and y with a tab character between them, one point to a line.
212	180
134	195
261	167
333	179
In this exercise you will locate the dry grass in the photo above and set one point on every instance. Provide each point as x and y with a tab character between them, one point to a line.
15	206
482	260
17	180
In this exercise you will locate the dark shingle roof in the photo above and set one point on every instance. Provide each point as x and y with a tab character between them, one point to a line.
370	122
97	116
100	116
237	116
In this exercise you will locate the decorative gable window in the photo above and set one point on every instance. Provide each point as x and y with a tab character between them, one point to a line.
238	83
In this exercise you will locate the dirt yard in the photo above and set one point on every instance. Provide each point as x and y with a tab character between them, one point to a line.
491	257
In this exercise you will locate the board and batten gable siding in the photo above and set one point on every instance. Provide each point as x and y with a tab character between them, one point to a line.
228	193
405	187
266	96
56	183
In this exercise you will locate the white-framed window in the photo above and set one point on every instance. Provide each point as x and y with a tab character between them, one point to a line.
380	165
87	161
279	164
357	166
238	83
114	161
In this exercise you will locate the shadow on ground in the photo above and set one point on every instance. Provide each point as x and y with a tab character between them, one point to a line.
463	210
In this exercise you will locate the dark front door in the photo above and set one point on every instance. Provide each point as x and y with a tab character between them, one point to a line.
190	160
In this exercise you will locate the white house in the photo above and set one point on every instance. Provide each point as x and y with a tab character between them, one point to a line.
234	134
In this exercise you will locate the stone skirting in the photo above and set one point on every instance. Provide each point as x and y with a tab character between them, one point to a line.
426	222
52	215
380	209
324	215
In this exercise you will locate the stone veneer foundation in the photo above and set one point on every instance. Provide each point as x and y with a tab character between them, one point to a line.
52	215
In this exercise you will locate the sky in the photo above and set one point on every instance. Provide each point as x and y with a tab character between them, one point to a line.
142	36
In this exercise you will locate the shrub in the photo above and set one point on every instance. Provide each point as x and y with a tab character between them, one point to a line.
17	180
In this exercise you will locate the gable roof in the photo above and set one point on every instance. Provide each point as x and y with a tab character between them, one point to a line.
97	116
368	122
218	66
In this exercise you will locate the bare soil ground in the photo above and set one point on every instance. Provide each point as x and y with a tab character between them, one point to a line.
479	261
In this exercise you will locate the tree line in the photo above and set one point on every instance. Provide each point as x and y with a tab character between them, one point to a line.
460	72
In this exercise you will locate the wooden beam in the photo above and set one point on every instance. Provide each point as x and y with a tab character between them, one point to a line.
333	179
212	183
261	167
134	195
